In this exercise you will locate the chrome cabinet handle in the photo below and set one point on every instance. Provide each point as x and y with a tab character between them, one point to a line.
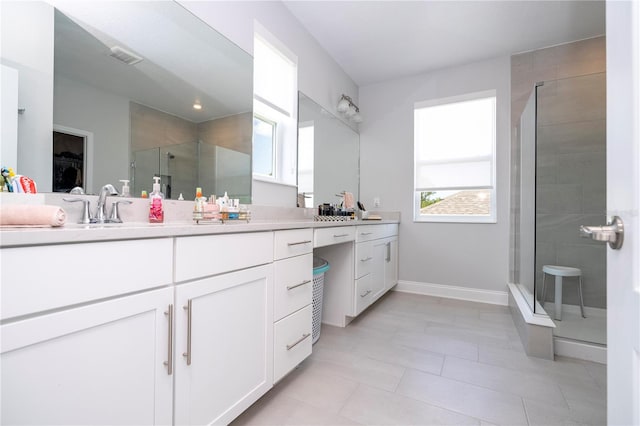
299	242
297	342
388	258
291	287
365	293
366	233
366	259
340	235
188	308
169	361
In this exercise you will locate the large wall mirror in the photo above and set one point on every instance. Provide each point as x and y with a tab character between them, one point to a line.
151	90
328	155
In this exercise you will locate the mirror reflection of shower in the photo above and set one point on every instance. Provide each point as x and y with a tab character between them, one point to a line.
166	178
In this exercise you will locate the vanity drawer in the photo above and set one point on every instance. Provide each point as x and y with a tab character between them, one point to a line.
374	232
293	242
293	287
205	255
364	258
292	342
40	278
336	235
364	293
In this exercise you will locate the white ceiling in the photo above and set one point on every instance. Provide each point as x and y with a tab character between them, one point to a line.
374	41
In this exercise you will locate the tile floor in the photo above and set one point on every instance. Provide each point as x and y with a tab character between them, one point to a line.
419	360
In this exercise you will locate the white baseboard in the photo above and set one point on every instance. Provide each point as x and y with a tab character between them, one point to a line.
454	292
579	350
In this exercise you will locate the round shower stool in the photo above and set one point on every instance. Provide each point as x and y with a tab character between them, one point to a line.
559	272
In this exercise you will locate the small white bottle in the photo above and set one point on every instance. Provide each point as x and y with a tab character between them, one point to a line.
125	188
156	210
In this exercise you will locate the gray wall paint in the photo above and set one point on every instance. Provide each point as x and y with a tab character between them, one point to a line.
466	255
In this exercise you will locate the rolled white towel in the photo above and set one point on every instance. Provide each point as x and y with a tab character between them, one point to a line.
31	215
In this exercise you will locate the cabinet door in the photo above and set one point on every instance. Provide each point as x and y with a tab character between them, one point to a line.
378	268
101	363
224	345
391	263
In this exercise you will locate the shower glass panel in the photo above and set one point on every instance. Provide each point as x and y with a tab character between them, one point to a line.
570	190
175	164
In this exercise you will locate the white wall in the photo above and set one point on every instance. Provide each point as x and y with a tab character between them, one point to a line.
319	76
30	51
86	108
466	255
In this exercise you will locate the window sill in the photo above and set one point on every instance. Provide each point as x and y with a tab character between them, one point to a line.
273	181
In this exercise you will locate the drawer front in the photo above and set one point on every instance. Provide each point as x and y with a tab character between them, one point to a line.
292	342
364	293
205	255
293	243
293	287
364	258
328	236
374	232
40	278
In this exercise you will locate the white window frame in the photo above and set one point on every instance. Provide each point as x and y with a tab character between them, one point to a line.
492	216
274	148
285	148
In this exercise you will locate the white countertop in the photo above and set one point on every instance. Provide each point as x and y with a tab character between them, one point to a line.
76	233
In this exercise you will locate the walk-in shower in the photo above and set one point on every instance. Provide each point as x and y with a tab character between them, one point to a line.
560	185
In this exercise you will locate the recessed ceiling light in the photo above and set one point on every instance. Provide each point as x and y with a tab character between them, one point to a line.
197	106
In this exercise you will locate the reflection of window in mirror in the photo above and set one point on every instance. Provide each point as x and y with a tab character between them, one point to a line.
264	138
305	163
275	108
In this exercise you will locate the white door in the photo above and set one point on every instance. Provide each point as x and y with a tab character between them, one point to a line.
623	195
98	364
224	345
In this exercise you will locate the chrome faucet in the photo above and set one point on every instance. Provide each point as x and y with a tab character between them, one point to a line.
101	214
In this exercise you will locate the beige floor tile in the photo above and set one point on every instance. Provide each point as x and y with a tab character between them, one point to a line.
282	410
598	372
356	367
542	414
464	398
416	358
504	380
317	388
376	407
437	344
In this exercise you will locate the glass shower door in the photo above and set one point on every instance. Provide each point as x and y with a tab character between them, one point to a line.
570	190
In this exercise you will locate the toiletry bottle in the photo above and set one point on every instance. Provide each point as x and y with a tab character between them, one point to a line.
125	188
156	212
198	208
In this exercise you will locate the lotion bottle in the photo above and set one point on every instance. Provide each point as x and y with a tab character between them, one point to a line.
156	211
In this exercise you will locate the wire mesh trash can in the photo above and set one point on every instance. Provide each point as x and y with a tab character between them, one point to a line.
320	266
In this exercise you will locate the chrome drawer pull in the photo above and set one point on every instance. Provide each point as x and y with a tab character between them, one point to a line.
188	308
365	293
366	233
298	243
291	287
297	342
366	259
340	235
169	361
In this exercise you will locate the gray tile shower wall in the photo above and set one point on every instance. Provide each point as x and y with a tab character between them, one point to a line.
571	160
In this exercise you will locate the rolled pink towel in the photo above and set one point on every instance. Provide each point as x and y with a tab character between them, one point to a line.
31	215
349	201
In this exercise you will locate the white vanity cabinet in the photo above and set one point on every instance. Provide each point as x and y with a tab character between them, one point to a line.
74	356
376	263
223	326
292	302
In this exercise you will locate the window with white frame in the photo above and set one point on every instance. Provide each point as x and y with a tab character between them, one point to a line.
275	106
454	159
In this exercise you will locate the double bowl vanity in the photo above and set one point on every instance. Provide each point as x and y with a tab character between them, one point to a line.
176	323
